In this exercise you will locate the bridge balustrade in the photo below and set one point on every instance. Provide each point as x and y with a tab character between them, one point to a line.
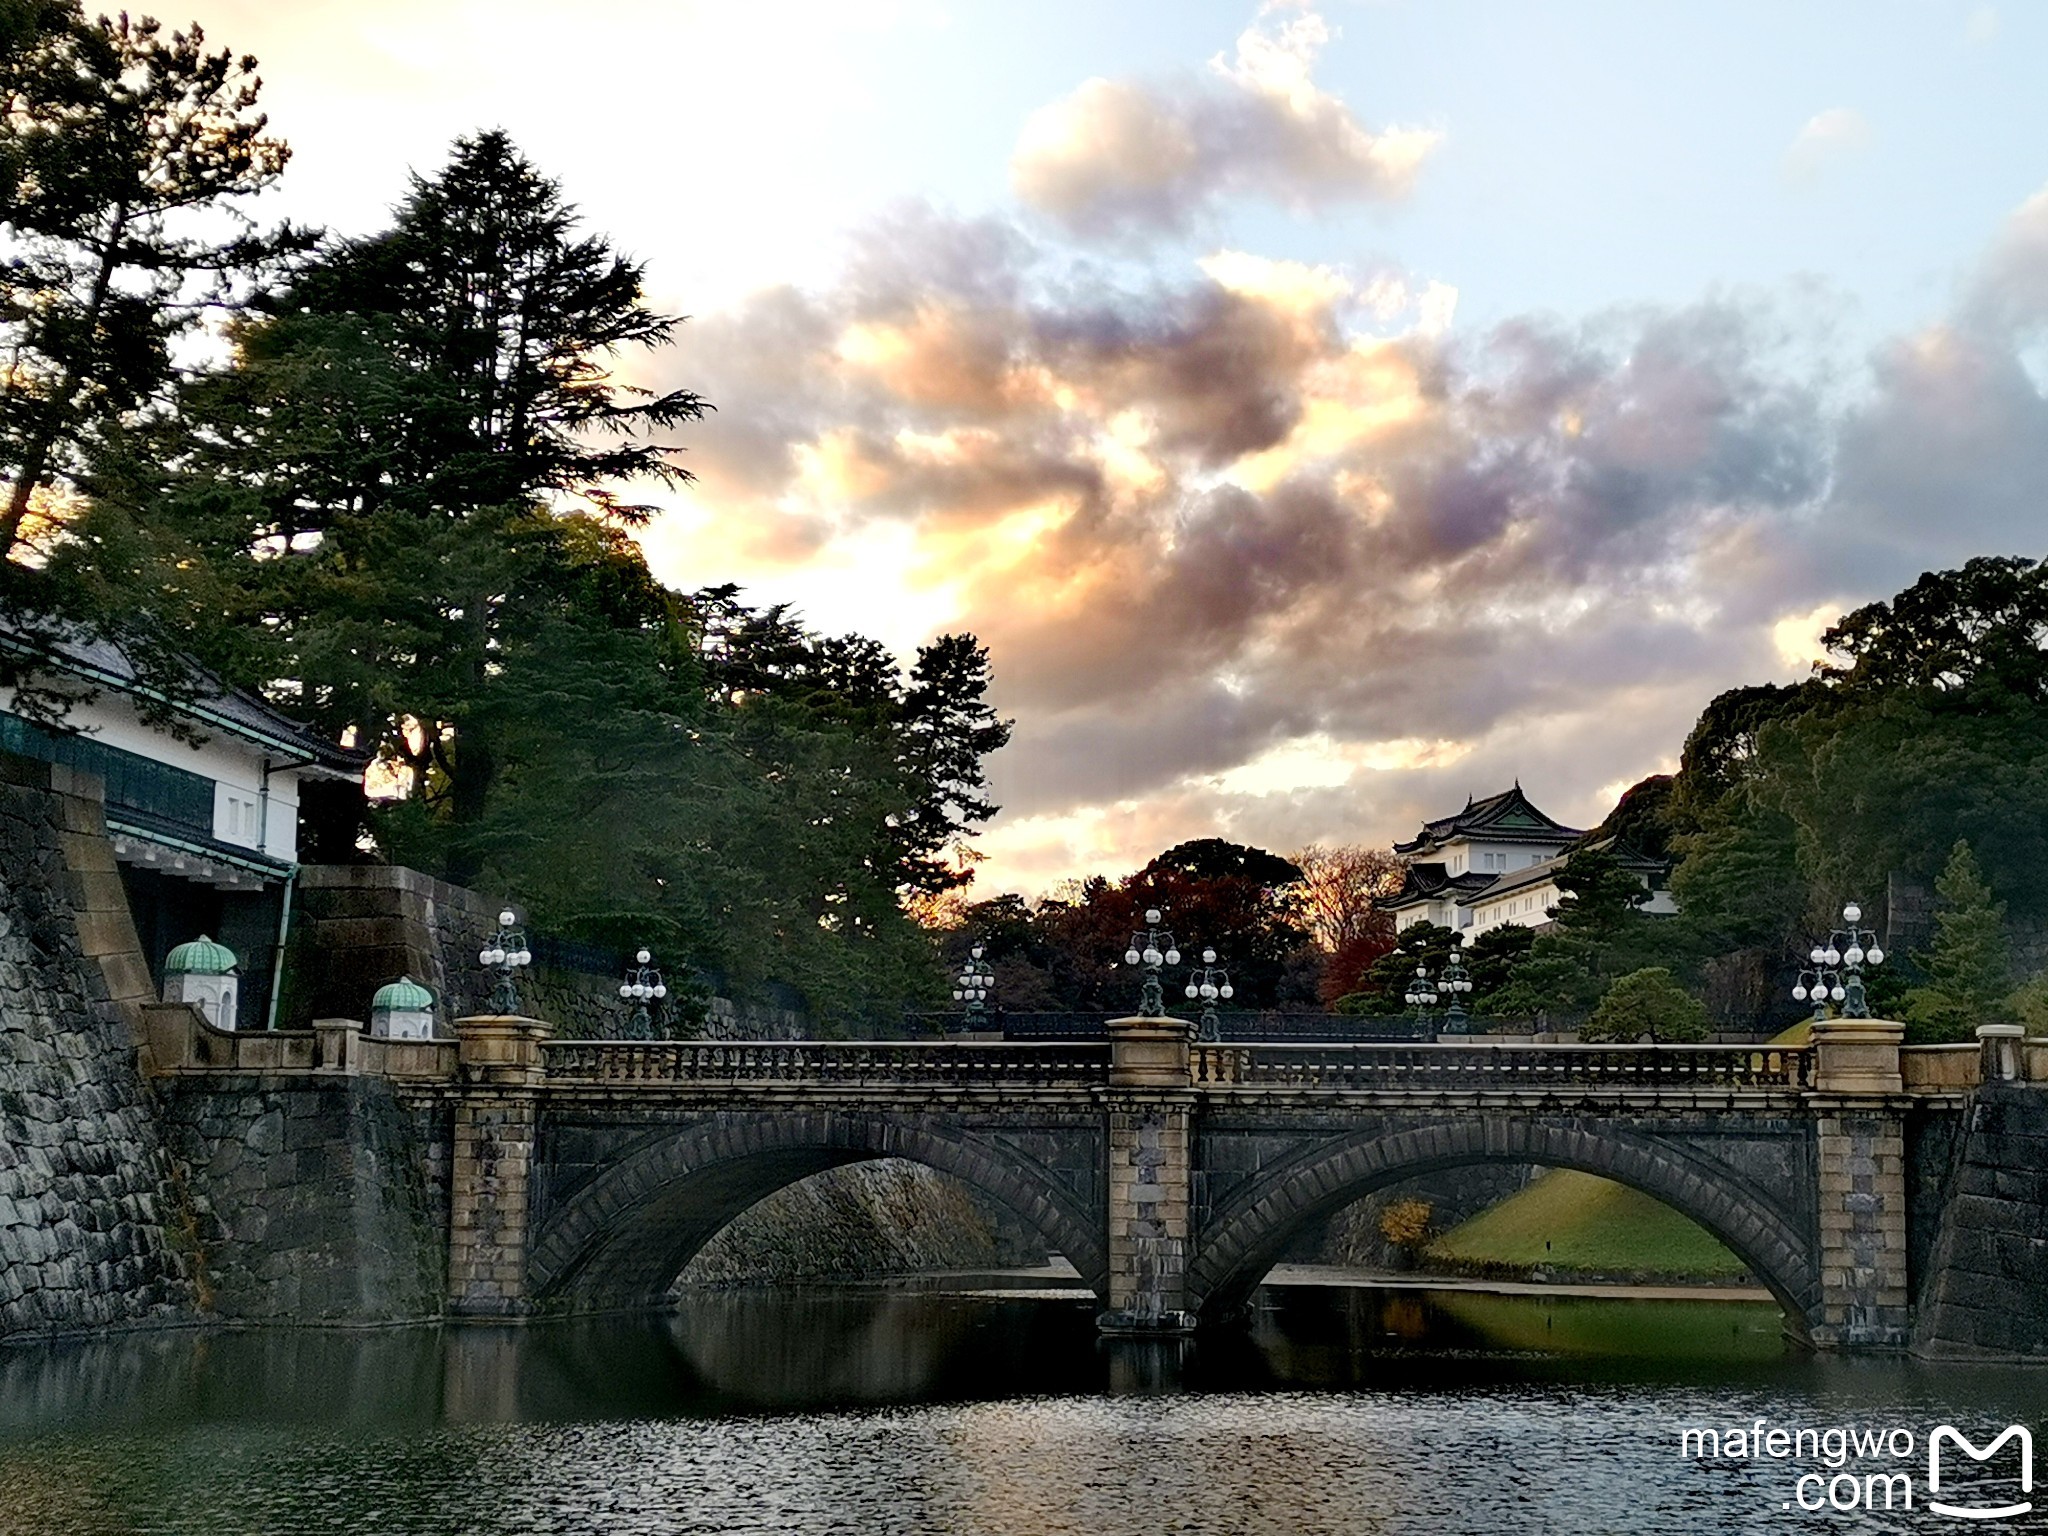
1489	1068
854	1063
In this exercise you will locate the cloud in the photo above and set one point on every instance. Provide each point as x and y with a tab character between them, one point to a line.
1201	521
1828	139
1272	551
1118	158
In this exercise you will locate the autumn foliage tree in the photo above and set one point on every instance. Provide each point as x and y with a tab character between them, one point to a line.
1340	885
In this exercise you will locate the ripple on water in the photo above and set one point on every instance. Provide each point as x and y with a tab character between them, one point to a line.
277	1436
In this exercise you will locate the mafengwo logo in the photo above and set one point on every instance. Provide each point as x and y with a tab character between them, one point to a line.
1948	1434
1865	1468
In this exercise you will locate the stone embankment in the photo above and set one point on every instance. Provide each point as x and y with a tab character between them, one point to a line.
1986	1292
863	1222
94	1223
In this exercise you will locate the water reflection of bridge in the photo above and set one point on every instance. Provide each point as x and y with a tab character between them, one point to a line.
585	1174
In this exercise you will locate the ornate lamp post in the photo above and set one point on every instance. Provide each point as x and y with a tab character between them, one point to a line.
1152	948
973	986
1421	995
507	954
1457	983
1208	984
1836	972
643	984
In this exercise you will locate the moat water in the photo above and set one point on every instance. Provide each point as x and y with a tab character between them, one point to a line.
1352	1410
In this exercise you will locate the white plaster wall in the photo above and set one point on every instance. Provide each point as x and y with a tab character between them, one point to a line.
235	766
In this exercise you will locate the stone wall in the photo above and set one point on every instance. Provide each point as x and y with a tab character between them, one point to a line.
357	926
1985	1291
317	1198
861	1222
94	1227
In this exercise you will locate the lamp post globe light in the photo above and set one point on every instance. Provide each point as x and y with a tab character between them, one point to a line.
1152	948
507	954
1456	983
1834	973
974	986
1207	985
643	985
1421	994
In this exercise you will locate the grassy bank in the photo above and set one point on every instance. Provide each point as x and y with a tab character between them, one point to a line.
1569	1223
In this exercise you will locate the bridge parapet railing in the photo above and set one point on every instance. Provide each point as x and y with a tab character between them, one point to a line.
850	1063
1470	1068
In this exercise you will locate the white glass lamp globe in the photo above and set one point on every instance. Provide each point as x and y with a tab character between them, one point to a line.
1193	990
1834	956
1130	957
1225	989
1173	957
506	919
643	957
1208	957
1153	957
1874	955
959	996
483	957
1151	914
526	957
1209	989
1837	993
1817	955
660	991
1853	954
1799	994
1852	913
625	989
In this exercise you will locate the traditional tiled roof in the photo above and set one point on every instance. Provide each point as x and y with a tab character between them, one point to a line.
102	663
1507	817
1430	882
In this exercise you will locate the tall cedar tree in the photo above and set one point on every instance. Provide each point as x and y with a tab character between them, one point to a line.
398	416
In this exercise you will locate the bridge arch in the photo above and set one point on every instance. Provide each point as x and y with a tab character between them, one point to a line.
622	1238
1243	1240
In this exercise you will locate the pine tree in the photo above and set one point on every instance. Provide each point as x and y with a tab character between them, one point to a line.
1646	1002
120	149
1969	964
404	427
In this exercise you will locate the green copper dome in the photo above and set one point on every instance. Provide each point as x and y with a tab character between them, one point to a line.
201	957
403	995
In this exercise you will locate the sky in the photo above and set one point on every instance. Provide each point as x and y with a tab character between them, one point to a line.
1323	412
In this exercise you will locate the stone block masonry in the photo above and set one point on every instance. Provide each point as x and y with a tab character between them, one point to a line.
1985	1293
1864	1297
95	1228
1150	1147
316	1199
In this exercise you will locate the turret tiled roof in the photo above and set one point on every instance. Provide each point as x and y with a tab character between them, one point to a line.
1507	817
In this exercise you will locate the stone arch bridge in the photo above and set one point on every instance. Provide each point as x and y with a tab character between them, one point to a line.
583	1174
